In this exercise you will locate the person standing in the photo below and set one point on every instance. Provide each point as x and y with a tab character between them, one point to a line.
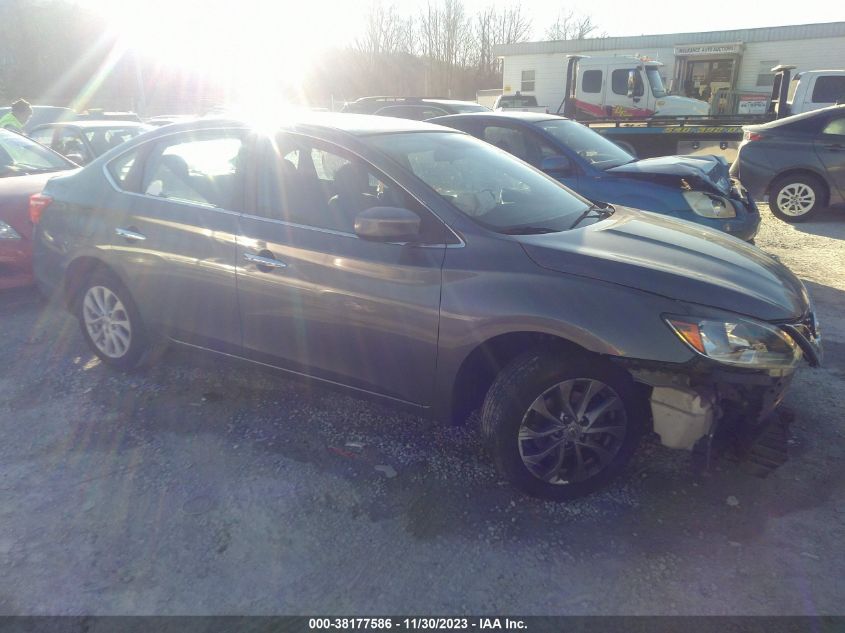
17	118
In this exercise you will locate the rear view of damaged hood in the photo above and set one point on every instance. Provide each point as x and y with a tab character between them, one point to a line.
701	172
675	259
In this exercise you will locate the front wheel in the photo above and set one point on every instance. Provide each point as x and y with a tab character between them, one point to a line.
110	321
796	198
560	427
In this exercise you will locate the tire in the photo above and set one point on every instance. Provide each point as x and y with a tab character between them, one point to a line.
124	343
796	198
518	435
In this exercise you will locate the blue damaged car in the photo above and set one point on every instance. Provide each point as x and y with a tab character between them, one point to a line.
694	188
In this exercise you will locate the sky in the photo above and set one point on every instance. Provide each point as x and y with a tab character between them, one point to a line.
335	21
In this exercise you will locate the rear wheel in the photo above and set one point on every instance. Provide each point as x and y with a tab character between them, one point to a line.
794	198
110	321
561	427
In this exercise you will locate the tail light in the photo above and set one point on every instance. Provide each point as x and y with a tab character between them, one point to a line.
752	136
37	203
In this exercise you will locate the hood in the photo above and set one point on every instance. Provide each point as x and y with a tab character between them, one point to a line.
14	199
673	105
701	172
675	259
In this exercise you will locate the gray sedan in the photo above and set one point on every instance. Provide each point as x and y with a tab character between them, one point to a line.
798	162
420	266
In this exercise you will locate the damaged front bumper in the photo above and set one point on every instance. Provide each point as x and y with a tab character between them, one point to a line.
704	401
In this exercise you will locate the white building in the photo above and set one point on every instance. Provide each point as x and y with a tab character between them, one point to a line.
695	64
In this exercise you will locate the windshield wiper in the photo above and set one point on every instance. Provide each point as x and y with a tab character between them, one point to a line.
528	230
602	210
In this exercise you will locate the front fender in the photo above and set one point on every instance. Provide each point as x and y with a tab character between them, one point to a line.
520	297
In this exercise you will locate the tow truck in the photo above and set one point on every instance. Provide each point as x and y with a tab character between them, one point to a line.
610	95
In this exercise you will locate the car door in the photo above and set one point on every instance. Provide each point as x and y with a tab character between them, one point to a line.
830	147
175	238
316	299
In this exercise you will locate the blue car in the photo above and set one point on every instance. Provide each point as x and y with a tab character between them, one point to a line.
694	188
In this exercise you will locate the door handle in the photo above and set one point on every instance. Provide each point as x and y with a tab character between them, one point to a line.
264	264
129	235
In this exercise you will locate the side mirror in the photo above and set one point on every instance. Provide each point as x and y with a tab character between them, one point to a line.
387	224
556	165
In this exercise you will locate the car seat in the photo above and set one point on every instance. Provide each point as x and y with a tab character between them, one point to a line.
351	185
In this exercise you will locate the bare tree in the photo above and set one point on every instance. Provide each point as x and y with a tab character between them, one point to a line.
513	25
383	31
570	26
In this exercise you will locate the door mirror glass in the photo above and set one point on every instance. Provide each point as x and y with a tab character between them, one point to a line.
556	165
387	224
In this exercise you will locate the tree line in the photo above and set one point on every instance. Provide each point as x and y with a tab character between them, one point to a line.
55	52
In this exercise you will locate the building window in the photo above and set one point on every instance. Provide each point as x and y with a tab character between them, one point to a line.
591	81
527	81
765	76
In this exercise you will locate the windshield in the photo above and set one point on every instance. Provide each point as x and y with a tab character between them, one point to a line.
655	81
485	183
19	155
588	144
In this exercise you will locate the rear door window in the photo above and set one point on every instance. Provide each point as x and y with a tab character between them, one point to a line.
519	142
205	169
835	127
828	89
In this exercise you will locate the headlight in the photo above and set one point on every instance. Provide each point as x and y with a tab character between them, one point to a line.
708	205
7	232
738	342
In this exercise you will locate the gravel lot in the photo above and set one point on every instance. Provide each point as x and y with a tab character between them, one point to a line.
205	487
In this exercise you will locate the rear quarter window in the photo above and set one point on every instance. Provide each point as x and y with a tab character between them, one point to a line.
828	89
121	170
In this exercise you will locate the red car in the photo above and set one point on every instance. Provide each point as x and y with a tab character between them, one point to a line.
25	166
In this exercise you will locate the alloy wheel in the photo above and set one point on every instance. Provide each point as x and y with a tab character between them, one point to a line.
572	431
796	199
107	321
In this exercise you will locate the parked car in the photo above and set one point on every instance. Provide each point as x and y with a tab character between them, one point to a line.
82	141
167	119
798	162
24	168
694	188
98	114
524	103
414	108
43	114
420	266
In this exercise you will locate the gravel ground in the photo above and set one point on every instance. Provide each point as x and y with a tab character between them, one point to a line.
205	487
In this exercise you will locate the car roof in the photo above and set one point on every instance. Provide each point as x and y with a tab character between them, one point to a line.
353	124
528	117
93	123
771	125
